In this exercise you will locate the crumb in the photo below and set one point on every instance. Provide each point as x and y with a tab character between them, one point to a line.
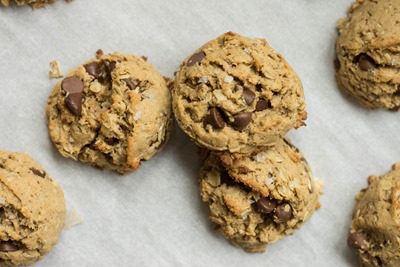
73	218
99	53
55	71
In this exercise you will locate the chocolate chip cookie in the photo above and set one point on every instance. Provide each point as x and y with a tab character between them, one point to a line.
368	55
112	112
260	198
375	228
236	93
32	210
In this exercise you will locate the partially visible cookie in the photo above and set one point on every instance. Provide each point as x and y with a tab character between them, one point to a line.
112	112
32	210
368	53
260	198
33	3
236	94
375	228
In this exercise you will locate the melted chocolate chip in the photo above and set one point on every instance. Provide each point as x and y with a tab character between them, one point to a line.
283	213
72	85
365	62
94	69
214	118
74	103
263	104
129	82
241	120
248	96
38	172
265	205
8	246
196	58
358	241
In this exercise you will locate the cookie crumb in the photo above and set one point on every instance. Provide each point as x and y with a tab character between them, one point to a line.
55	71
73	218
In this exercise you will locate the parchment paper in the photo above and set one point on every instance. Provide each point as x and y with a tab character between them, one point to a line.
154	216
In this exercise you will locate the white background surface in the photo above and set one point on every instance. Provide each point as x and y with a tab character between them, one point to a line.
154	216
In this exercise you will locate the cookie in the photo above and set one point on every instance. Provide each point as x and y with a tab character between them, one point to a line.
33	3
368	56
112	112
32	210
258	199
375	227
236	94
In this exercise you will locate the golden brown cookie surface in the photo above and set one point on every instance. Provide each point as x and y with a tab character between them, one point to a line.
32	210
236	94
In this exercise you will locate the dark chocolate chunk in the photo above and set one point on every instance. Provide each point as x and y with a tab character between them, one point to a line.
129	82
214	118
241	120
8	246
263	104
94	69
283	213
265	205
72	85
358	241
195	58
365	62
74	103
38	172
248	96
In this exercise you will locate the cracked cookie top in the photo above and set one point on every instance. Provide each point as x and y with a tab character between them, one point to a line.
237	94
112	112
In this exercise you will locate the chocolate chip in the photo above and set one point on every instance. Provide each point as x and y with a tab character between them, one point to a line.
241	120
72	85
8	246
365	62
283	213
265	205
214	118
263	104
110	65
38	172
129	82
358	241
94	69
111	140
248	96
195	58
74	103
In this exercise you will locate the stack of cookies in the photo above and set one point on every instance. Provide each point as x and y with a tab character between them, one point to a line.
237	98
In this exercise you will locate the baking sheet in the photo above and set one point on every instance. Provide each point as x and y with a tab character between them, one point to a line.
154	216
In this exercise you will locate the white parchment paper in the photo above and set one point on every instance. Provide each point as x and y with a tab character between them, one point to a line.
154	216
